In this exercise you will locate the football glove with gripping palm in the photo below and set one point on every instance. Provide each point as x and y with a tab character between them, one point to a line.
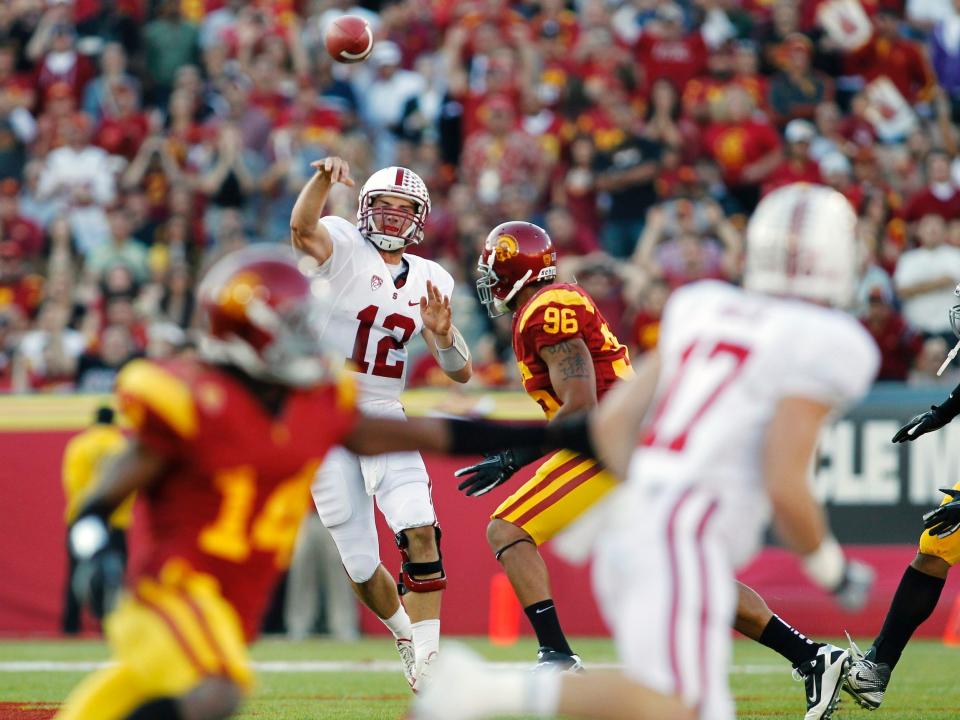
494	470
932	419
945	520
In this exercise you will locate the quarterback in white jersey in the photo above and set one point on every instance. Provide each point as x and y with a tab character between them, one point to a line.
379	300
715	435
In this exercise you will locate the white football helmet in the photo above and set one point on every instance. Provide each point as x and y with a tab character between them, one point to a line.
393	228
802	242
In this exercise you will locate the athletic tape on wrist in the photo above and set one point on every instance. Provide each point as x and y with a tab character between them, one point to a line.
455	357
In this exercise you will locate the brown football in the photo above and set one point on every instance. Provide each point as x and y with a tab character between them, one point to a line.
349	39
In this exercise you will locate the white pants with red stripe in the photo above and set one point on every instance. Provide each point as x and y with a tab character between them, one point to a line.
665	584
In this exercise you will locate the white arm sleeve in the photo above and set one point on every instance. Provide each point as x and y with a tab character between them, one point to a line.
346	239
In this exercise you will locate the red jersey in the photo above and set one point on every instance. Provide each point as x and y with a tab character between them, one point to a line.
560	312
677	60
238	483
900	60
734	146
792	171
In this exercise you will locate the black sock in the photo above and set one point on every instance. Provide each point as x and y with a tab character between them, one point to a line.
915	599
546	624
159	709
792	644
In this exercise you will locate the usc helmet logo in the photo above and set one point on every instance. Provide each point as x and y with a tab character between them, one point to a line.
506	248
238	292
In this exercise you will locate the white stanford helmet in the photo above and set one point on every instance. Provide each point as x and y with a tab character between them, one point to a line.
388	228
802	242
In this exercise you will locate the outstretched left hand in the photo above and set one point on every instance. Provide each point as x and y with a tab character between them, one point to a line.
436	314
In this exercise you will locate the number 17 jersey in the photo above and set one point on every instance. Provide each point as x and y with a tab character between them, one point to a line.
370	319
727	358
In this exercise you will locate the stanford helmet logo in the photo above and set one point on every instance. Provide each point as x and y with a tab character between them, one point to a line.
506	248
375	282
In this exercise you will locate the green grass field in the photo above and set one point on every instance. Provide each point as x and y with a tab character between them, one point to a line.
924	687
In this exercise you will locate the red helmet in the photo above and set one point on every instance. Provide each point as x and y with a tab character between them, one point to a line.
514	255
263	317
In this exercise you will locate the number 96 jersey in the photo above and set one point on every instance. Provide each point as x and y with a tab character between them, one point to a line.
372	318
237	479
559	312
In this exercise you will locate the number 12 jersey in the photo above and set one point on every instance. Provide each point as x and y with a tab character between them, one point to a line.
369	318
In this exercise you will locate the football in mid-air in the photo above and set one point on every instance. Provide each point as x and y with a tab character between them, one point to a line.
349	39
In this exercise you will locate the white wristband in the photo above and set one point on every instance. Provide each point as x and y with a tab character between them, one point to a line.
455	357
825	565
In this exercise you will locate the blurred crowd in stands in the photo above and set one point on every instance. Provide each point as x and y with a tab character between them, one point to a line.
141	139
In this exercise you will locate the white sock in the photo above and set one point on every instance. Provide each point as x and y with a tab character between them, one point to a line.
426	638
399	624
543	693
518	693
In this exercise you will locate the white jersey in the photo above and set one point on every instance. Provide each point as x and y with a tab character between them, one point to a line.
728	356
371	320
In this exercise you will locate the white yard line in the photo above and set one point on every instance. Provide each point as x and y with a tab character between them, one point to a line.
325	666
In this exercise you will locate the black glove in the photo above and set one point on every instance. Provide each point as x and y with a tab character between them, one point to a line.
494	470
945	520
932	419
99	572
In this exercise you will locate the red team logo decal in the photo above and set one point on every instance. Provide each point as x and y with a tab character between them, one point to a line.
375	282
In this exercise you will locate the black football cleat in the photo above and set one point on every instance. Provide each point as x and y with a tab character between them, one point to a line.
550	659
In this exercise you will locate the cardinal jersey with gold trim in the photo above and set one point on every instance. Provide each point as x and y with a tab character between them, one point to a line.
567	484
560	312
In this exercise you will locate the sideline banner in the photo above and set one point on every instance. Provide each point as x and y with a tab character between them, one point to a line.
876	493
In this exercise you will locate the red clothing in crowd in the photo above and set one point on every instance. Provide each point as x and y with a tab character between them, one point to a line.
516	158
77	76
579	197
25	233
474	111
677	60
272	102
88	9
318	122
926	203
854	194
24	292
858	130
645	331
17	90
900	60
898	344
701	92
734	146
597	123
791	171
122	135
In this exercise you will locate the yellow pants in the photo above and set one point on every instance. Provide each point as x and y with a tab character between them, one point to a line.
562	489
166	636
948	548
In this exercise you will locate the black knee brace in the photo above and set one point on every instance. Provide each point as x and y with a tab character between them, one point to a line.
409	582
